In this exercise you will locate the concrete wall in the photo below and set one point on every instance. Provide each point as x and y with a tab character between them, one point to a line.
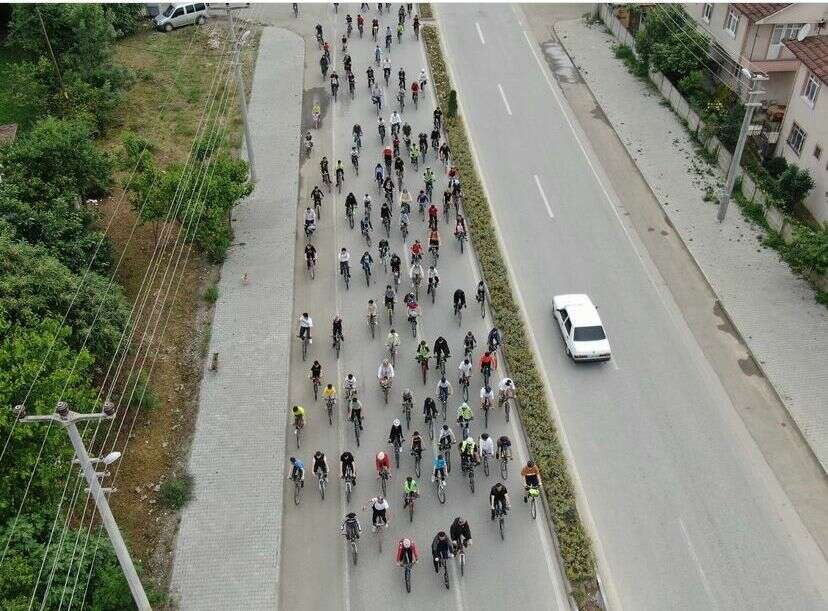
815	123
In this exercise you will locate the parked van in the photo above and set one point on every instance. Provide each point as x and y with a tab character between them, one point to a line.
181	14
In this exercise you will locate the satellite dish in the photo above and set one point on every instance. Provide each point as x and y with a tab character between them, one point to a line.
803	32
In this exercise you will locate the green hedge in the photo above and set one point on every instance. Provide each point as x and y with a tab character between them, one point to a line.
424	9
544	444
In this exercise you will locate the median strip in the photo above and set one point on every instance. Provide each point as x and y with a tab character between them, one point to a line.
544	445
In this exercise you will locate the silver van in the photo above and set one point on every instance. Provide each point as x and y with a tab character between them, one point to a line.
181	14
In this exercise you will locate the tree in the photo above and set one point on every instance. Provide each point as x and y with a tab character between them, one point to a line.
794	185
58	157
123	17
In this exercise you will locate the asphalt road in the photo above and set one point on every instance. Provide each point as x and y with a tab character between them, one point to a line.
315	573
687	513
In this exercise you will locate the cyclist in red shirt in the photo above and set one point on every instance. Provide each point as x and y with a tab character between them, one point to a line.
415	89
407	552
382	462
488	360
416	250
432	217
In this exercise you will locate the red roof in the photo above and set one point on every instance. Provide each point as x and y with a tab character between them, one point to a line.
759	10
813	52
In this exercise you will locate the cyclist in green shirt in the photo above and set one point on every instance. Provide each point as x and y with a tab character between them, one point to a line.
411	489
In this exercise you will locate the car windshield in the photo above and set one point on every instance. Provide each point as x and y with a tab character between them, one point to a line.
169	10
589	334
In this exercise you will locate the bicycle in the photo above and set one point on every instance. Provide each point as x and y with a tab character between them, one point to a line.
441	362
305	342
298	425
378	530
461	239
468	468
500	516
446	209
323	483
423	361
356	429
311	262
366	233
464	427
440	488
481	298
504	401
297	488
445	450
326	180
406	410
417	280
435	254
385	385
485	464
460	553
330	404
404	230
349	216
392	352
444	565
464	385
413	322
397	449
443	397
366	267
485	406
414	98
504	465
533	492
390	310
372	324
349	484
315	382
337	344
386	222
383	477
486	371
397	280
347	276
432	288
407	575
418	460
355	164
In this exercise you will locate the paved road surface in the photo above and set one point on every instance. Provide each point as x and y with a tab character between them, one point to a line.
686	510
315	573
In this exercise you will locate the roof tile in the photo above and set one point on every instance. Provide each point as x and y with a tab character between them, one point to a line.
759	10
813	52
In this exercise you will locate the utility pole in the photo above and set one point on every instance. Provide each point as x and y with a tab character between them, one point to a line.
66	418
237	45
750	106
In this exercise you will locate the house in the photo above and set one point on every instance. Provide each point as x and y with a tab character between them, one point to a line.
804	130
753	36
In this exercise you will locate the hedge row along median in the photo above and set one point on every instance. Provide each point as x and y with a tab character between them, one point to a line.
543	437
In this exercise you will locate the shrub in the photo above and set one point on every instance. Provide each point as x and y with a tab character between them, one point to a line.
627	55
123	17
58	157
452	104
808	252
176	493
691	84
775	166
794	185
211	294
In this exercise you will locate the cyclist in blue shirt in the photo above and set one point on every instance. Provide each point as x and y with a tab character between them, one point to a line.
297	470
439	467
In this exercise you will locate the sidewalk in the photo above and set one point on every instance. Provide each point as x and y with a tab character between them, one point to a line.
774	311
228	547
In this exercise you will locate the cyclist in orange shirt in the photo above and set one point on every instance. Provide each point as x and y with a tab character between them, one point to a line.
531	477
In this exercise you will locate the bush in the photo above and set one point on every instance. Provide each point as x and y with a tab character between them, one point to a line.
211	294
775	166
691	84
794	185
543	437
627	55
176	493
808	252
57	158
123	17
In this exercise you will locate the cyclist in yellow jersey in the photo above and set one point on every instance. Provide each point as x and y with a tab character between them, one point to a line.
298	416
329	392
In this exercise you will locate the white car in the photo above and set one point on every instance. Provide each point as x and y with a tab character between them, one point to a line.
581	328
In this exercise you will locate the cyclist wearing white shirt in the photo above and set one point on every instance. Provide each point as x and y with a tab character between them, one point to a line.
486	395
393	340
444	388
310	217
465	368
305	326
486	445
416	272
372	309
447	434
385	371
344	258
506	389
395	122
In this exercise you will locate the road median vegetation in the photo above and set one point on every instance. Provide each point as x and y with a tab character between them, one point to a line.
540	428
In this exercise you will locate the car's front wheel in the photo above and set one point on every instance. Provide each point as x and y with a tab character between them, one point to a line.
200	20
168	27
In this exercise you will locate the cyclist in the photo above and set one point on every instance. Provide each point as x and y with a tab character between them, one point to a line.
386	69
374	27
310	254
346	62
347	465
465	369
446	439
388	37
401	14
377	55
486	396
320	464
406	130
411	489
444	389
434	241
429	409
381	129
488	363
440	549
371	79
405	201
464	416
355	409
396	433
460	225
316	196
423	79
297	470
376	97
414	154
447	199
315	371
415	90
459	300
445	153
382	463
385	371
310	219
531	477
407	552
401	77
366	261
379	511
432	216
360	24
388	186
441	349
413	309
355	158
416	24
329	392
334	83
404	220
468	450
439	468
504	447
365	225
416	444
481	292
395	263
469	342
396	122
389	299
438	117
416	251
416	274
435	140
382	248
305	326
495	338
460	533
319	32
366	205
349	384
428	175
506	389
350	203
385	211
336	330
350	525
485	445
433	279
399	164
372	310
344	258
423	353
422	140
395	144
499	496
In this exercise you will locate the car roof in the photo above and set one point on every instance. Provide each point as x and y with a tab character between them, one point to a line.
580	308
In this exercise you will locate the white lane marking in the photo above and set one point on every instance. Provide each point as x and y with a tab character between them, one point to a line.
553	566
543	196
505	101
480	33
705	583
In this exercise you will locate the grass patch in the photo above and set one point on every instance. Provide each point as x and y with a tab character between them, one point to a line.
425	10
544	444
211	294
627	55
177	492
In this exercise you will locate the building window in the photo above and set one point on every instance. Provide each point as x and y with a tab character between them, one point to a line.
796	138
731	22
811	88
707	12
784	31
817	151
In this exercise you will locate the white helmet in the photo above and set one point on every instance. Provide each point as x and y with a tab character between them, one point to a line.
406	543
396	422
380	455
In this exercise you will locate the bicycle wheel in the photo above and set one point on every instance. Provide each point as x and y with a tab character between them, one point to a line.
379	539
397	455
408	578
486	465
417	466
297	492
337	346
414	328
471	480
485	418
354	553
506	408
304	349
383	485
347	281
315	390
322	484
501	524
330	414
441	492
385	394
462	563
356	432
445	574
348	489
504	468
298	435
424	368
408	419
447	456
534	508
411	509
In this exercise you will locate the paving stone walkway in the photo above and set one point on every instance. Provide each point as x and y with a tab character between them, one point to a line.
227	551
774	310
